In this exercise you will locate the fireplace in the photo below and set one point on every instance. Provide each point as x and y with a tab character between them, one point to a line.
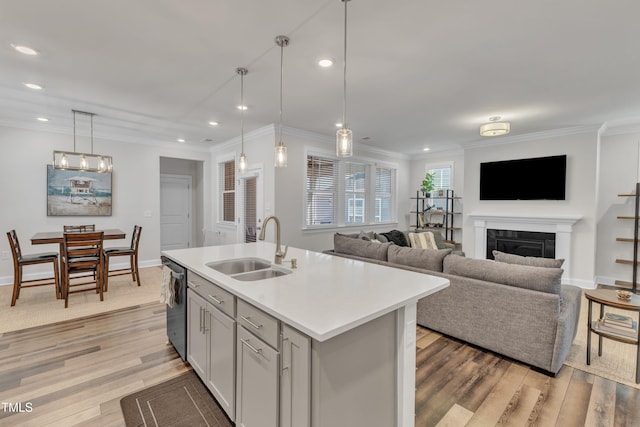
561	226
525	243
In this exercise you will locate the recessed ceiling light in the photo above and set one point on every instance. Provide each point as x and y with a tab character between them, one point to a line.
181	140
325	62
338	125
241	107
42	119
33	86
24	49
426	149
212	123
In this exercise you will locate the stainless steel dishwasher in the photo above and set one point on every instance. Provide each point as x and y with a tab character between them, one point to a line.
177	315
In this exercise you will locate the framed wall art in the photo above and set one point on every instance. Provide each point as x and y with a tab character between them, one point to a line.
78	193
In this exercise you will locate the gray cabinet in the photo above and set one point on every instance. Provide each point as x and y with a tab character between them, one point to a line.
211	348
257	381
196	335
295	379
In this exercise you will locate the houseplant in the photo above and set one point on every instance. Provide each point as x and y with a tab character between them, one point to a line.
427	184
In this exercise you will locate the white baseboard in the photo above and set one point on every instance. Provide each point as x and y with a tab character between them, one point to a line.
581	283
8	280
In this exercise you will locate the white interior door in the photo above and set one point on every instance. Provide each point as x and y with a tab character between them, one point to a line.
175	212
250	205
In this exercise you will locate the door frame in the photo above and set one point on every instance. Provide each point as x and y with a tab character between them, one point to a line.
258	173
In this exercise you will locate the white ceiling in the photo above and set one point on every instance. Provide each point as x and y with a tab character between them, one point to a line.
421	73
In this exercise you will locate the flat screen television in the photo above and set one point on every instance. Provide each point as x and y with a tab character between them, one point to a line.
540	178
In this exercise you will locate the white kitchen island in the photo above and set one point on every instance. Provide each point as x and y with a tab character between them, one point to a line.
359	320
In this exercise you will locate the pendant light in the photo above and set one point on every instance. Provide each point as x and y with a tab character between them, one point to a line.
281	149
242	167
344	137
73	160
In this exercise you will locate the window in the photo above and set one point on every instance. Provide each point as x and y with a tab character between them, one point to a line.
227	180
321	191
341	192
354	192
442	180
384	194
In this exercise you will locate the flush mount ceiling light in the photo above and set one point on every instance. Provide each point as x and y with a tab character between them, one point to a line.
25	50
495	127
73	160
242	167
344	136
325	62
281	149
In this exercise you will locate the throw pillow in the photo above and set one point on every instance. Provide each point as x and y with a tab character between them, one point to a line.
397	237
429	259
424	240
527	260
540	279
347	245
366	236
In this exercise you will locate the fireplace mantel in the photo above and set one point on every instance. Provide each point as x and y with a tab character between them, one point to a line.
561	225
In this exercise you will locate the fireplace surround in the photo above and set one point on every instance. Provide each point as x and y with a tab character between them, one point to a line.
560	225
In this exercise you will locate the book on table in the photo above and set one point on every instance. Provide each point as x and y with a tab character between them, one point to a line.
614	319
625	332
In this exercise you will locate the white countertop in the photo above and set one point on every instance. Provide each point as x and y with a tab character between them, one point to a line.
325	296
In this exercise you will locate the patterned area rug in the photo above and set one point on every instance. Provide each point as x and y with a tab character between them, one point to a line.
181	401
618	360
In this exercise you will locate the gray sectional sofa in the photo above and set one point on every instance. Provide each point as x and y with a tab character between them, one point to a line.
514	306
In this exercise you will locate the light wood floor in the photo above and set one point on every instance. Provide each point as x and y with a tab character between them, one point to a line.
76	372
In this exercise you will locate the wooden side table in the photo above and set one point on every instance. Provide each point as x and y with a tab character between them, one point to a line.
609	298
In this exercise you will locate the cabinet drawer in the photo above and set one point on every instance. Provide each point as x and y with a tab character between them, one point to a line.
218	297
258	322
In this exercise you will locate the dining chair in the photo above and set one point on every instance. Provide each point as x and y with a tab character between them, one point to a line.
130	251
82	254
79	228
20	260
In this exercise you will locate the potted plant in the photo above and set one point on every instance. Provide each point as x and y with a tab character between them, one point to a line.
427	184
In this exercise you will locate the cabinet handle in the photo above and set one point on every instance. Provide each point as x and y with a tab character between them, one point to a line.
216	300
201	310
246	319
255	350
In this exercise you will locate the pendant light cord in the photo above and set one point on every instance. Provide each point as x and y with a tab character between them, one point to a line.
74	131
281	73
242	109
344	98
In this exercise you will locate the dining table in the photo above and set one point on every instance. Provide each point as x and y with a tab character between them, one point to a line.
51	237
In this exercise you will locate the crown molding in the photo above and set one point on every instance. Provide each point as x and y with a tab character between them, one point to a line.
620	127
501	140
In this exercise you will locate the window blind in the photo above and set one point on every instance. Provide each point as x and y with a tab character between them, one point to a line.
321	190
228	191
384	194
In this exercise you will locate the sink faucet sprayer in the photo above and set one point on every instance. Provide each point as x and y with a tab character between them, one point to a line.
279	254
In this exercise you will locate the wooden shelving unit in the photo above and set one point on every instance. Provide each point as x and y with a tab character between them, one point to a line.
449	213
633	284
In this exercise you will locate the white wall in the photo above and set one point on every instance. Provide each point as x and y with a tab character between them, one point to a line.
136	189
619	159
581	151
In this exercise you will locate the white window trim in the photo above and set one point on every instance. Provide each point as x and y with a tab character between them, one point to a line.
340	224
224	158
442	165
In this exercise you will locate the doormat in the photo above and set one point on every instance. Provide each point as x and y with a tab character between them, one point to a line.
180	401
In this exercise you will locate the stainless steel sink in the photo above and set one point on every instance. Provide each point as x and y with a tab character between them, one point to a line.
260	275
239	265
248	269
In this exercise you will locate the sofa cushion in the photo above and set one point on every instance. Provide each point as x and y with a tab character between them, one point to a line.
429	259
395	236
424	240
527	260
363	248
540	279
